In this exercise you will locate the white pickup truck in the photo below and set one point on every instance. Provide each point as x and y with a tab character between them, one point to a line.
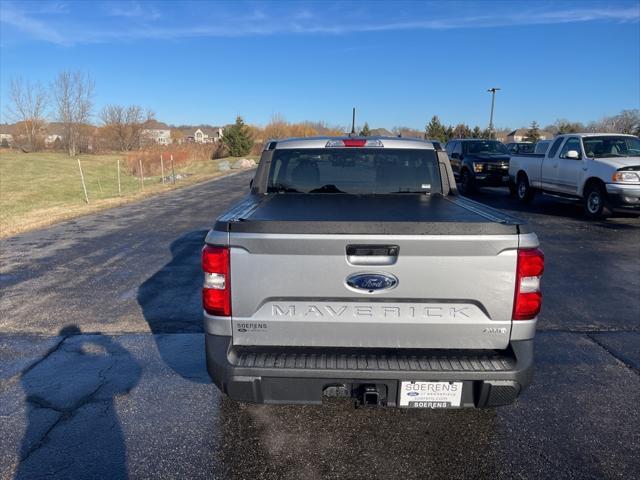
600	169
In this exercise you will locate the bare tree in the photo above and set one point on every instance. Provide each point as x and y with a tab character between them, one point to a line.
27	105
628	121
125	124
73	94
278	127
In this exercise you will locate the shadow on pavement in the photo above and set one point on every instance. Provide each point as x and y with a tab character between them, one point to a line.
73	429
171	303
544	205
337	441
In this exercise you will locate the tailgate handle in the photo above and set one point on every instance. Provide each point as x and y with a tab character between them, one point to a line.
372	254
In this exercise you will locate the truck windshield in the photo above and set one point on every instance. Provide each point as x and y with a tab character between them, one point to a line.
354	171
611	146
486	146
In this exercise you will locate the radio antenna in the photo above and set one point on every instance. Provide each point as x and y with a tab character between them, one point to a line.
353	122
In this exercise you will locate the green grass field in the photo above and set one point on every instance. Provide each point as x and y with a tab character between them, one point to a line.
37	189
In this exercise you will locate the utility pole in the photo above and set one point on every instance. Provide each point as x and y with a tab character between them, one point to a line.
493	91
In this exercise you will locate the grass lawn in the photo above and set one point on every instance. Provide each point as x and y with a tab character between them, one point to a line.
37	189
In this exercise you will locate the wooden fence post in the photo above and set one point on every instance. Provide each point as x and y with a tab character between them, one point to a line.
141	176
162	168
84	187
173	171
119	187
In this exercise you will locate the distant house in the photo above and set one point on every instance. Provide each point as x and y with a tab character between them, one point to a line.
160	136
520	135
52	138
6	137
202	134
53	134
155	132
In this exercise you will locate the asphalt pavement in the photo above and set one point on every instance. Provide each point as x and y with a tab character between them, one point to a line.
102	363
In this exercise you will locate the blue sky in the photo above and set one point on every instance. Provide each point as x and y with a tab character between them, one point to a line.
399	63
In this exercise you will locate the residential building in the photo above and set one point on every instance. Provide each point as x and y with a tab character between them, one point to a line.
53	133
520	135
202	134
160	136
6	137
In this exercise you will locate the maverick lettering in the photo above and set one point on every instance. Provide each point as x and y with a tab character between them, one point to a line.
332	311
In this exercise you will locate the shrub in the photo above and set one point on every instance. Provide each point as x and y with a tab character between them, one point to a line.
182	155
237	138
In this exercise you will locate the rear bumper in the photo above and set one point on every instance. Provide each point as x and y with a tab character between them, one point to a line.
623	197
300	376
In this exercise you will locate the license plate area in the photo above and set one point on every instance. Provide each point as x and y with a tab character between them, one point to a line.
414	394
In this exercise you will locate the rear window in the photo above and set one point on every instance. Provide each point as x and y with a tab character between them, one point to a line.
486	146
354	171
542	147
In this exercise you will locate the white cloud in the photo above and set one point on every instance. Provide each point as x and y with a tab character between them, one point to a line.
134	10
30	25
135	17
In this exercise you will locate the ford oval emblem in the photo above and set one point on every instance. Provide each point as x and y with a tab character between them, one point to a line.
372	282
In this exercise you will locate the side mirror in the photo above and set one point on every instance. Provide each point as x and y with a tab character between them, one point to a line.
573	155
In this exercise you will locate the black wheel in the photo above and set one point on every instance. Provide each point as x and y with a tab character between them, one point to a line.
595	202
524	192
467	184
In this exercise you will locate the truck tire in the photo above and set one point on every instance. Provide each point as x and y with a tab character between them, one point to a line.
524	192
467	183
595	202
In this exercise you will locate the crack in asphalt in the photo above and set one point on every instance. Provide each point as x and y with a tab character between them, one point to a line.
631	367
51	351
65	413
13	379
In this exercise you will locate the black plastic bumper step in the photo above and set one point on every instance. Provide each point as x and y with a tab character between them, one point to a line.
455	361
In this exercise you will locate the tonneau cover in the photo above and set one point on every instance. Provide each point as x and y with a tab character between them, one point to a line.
401	214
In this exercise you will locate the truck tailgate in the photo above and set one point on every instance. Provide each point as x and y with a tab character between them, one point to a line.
452	292
289	288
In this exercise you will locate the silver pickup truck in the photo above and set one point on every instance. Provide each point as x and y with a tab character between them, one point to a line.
354	269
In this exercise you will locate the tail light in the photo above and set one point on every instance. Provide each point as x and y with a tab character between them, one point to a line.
216	291
354	142
528	299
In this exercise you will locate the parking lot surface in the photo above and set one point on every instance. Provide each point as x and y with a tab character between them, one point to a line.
102	363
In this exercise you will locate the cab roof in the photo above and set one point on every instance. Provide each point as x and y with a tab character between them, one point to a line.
322	142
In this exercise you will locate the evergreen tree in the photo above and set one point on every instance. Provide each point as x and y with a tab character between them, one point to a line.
237	138
449	133
476	133
435	130
461	131
533	134
365	132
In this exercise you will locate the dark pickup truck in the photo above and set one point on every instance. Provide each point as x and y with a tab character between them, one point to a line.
354	269
479	163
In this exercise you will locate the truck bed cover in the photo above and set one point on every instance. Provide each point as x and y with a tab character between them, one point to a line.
401	214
